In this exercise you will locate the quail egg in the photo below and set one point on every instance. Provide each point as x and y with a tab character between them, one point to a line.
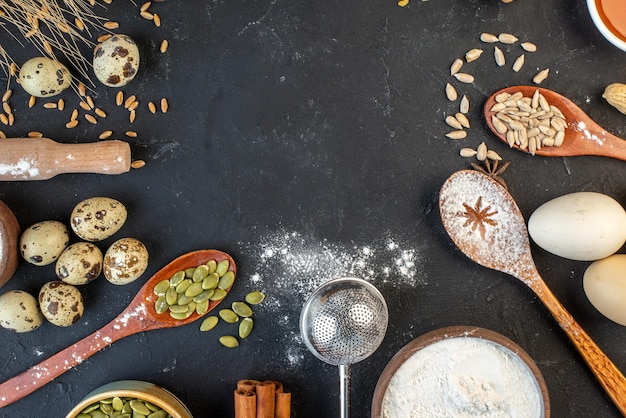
19	311
97	218
125	261
43	242
116	61
80	263
44	77
61	303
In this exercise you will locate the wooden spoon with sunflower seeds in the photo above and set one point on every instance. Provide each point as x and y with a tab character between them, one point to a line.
140	315
484	222
582	136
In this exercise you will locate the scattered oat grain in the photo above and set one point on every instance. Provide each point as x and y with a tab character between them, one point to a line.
105	135
129	100
4	119
31	101
74	115
7	108
100	112
119	98
152	107
157	20
111	25
7	95
61	104
145	6
11	118
137	164
81	89
132	115
50	105
35	134
104	37
71	124
164	46
3	135
91	118
84	105
80	25
131	134
147	15
164	105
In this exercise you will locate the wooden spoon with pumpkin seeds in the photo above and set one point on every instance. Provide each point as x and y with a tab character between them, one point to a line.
583	136
139	316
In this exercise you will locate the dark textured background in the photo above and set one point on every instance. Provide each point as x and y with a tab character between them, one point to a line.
323	120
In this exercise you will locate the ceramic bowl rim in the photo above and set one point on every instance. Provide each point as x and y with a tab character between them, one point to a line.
604	30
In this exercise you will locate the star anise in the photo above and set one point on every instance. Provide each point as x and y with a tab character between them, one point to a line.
493	171
478	216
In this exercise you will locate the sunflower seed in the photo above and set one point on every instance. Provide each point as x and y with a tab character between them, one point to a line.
453	122
451	93
468	152
456	66
529	46
464	77
493	156
519	63
499	56
473	54
488	38
463	120
465	105
460	134
541	76
507	38
481	152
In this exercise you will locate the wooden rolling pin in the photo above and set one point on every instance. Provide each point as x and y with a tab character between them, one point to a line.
9	237
42	158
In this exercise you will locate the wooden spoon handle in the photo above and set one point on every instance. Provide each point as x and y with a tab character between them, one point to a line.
609	376
39	375
43	158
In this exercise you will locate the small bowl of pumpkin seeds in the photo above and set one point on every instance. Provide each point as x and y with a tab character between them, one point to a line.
130	398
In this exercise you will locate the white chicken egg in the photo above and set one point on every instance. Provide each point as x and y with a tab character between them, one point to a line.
116	61
604	283
583	226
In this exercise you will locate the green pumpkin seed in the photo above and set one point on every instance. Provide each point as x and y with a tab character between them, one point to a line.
189	272
245	327
161	305
242	309
180	315
107	408
81	415
183	286
211	281
152	407
184	300
202	307
209	323
204	296
158	414
127	409
222	267
178	308
212	265
200	273
226	280
218	294
178	277
171	296
98	414
139	407
254	298
194	290
228	341
90	408
161	287
229	316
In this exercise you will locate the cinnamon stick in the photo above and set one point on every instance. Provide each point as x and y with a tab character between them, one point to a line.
245	404
278	386
283	405
266	402
249	385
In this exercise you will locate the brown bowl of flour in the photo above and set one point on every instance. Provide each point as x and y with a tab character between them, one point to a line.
461	371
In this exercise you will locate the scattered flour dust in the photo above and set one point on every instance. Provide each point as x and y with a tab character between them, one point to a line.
289	266
463	377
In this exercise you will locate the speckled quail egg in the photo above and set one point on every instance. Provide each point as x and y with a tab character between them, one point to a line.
116	60
125	261
80	263
44	77
97	218
42	243
19	311
61	303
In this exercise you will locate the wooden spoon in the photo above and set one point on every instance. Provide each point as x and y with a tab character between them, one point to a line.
139	316
484	222
43	158
583	136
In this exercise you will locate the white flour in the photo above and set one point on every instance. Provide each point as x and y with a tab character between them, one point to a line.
290	266
463	377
